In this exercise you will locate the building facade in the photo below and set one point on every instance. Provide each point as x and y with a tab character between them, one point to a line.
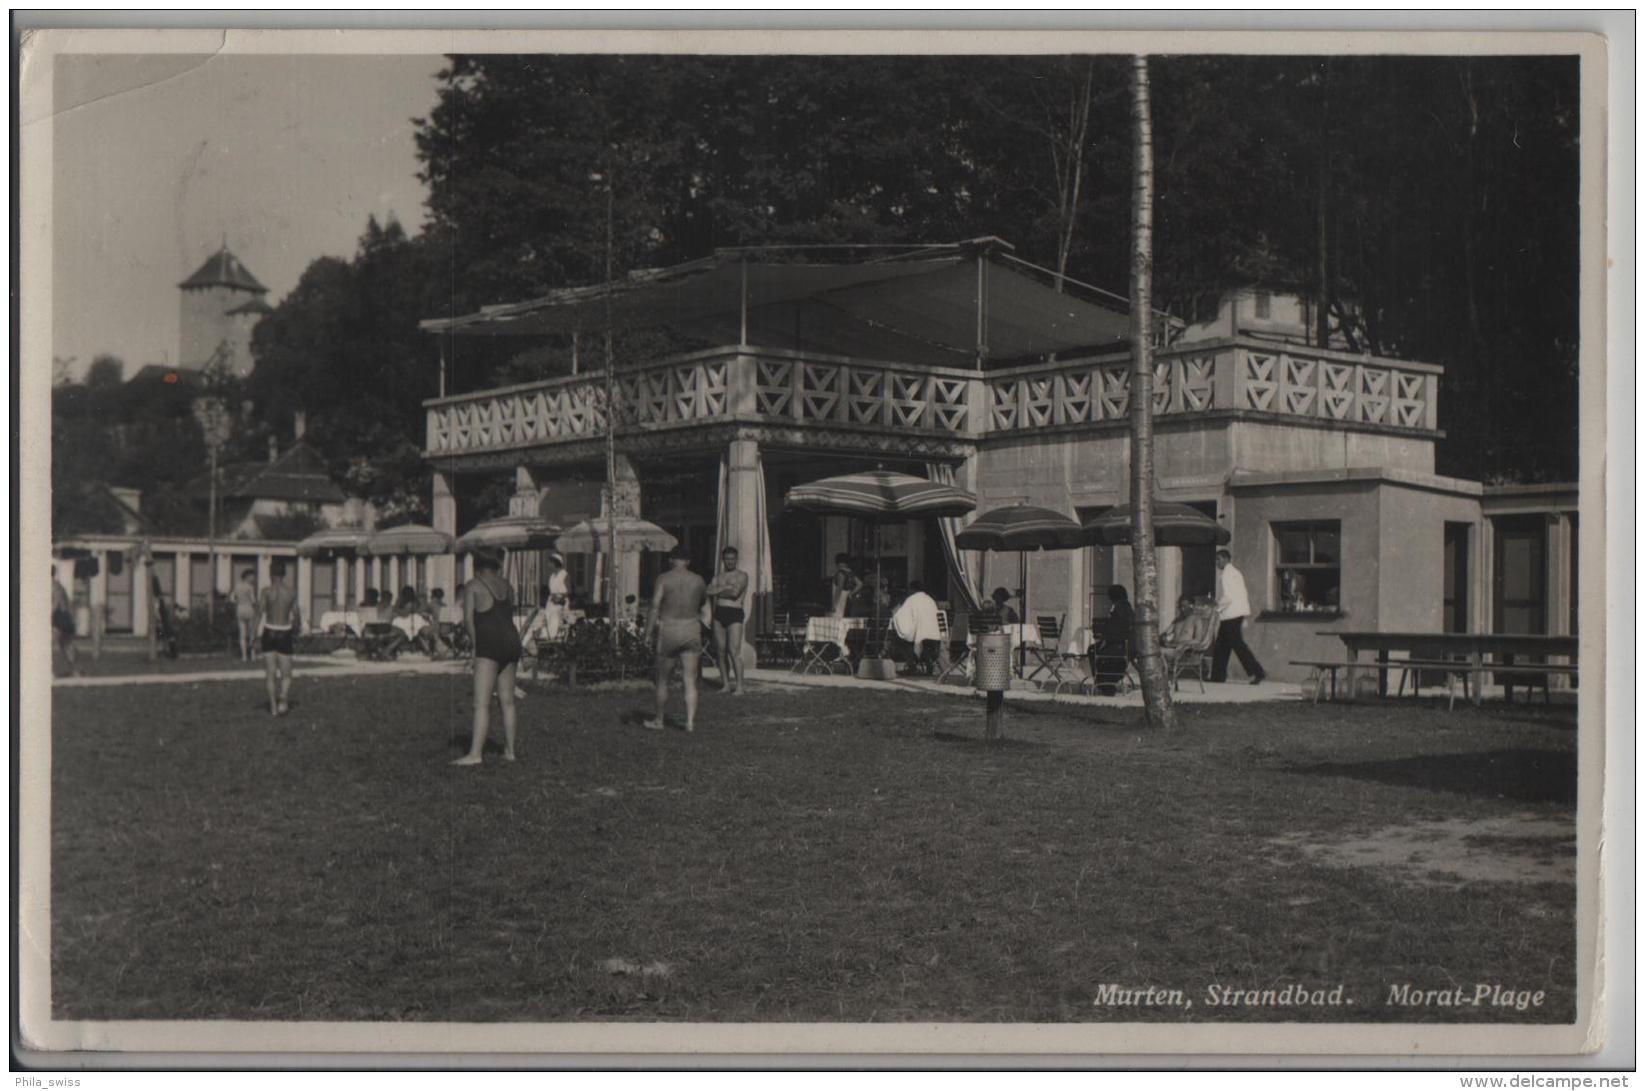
1319	462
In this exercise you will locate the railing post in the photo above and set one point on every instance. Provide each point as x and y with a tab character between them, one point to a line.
741	373
979	407
1226	381
1430	407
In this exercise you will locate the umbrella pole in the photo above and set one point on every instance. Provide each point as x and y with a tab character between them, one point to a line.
1022	617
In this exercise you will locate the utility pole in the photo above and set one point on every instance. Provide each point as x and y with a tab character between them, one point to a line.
613	564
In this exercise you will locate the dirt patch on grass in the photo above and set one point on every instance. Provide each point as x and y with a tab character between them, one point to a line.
1453	851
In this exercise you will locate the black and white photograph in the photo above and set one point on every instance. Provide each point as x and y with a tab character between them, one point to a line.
561	542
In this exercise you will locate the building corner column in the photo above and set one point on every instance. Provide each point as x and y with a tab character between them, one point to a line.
444	513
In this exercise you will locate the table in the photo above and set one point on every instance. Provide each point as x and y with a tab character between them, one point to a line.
1476	646
821	632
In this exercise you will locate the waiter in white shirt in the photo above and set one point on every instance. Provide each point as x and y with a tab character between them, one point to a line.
915	630
1233	607
559	597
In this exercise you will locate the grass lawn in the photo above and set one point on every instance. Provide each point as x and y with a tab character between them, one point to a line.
806	855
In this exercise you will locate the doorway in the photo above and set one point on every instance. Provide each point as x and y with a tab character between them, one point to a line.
1521	578
1457	539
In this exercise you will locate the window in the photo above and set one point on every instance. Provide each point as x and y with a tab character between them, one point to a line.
1308	575
1264	305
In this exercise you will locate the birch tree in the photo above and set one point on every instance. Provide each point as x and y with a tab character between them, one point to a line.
1156	691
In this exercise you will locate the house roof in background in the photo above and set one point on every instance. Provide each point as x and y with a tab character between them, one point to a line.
223	269
297	475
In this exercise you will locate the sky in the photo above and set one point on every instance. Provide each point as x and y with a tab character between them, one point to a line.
157	159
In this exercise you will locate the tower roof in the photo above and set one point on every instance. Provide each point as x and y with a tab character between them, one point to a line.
226	270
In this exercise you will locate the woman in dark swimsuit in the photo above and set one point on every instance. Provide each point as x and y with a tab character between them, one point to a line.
488	614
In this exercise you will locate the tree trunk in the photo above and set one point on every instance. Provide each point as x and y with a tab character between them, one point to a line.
1156	691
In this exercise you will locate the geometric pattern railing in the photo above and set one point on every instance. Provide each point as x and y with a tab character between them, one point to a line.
1296	385
807	391
1083	394
1238	377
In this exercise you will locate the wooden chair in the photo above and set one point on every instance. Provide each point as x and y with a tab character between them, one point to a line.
1191	658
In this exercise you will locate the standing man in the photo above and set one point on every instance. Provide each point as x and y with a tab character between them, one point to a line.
559	597
1233	607
729	593
678	612
845	584
279	621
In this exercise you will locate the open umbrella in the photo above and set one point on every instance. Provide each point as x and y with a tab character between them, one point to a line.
1021	529
522	536
409	540
1174	525
334	542
633	536
880	496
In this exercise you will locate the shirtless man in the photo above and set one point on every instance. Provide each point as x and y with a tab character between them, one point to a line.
678	610
278	621
729	593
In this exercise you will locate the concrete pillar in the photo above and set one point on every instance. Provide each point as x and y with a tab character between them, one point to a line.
224	576
1559	575
444	571
305	589
1485	578
264	561
185	564
743	530
141	599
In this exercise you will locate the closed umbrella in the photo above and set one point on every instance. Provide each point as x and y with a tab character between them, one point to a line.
1021	529
880	496
1174	525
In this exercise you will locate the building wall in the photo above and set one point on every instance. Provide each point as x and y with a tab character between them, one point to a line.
1412	597
1259	446
1278	638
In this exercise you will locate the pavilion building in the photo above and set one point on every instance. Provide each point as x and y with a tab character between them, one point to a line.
964	361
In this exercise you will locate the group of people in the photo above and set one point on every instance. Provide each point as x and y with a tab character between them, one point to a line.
683	604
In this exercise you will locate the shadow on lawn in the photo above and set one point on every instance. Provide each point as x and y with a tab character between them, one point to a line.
1532	776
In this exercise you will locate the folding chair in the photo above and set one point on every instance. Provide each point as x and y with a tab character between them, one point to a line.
824	647
1045	655
959	650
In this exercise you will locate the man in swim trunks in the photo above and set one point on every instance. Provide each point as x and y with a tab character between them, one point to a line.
729	594
278	621
678	609
244	597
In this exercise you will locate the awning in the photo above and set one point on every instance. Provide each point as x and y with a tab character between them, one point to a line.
918	309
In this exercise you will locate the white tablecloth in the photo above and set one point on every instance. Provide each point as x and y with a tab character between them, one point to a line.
832	630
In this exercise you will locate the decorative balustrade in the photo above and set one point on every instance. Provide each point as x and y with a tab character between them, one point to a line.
865	394
786	388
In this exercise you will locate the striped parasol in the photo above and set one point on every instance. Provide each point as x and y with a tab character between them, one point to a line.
1174	525
511	532
880	494
1020	528
333	542
410	540
633	536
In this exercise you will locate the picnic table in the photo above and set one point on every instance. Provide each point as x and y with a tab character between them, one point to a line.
1432	650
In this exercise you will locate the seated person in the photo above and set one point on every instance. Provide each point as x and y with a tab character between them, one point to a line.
915	634
1111	641
377	625
412	621
995	613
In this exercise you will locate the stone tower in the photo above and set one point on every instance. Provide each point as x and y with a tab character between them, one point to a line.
222	302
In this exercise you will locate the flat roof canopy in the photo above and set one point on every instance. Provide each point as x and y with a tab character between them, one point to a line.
920	308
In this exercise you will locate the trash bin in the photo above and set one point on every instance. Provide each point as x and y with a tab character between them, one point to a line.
993	656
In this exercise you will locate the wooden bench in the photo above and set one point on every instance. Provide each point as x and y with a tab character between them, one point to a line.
1532	674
